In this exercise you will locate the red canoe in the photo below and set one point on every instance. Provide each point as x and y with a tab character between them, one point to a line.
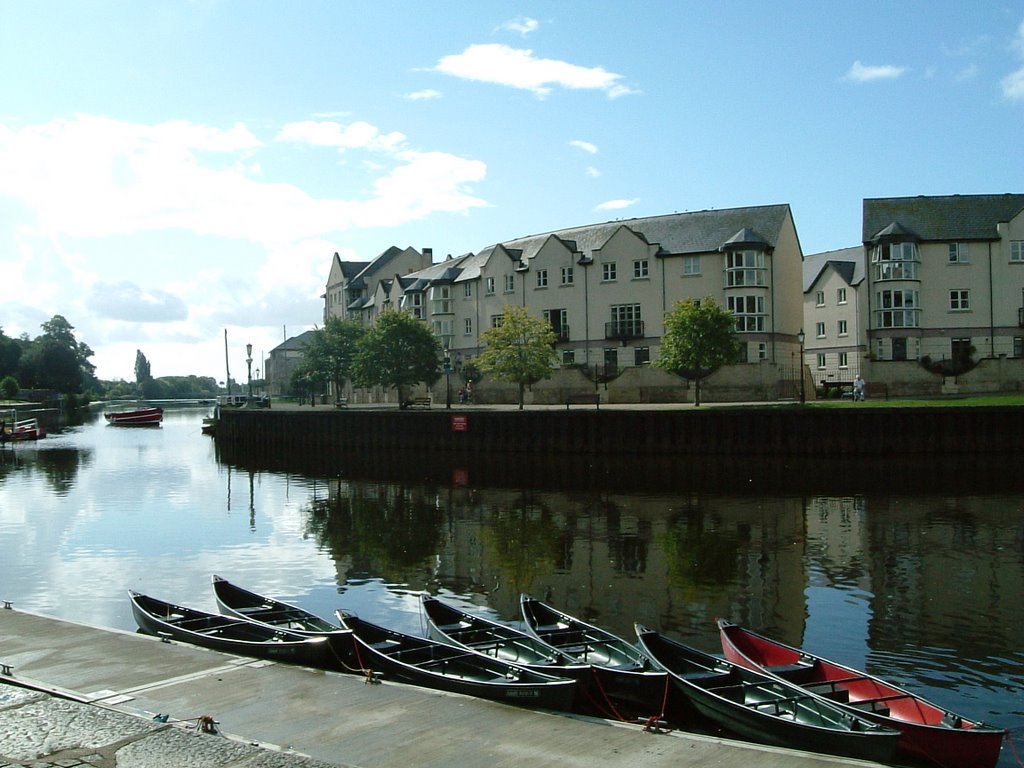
928	731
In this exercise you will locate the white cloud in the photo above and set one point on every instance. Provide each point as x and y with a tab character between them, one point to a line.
967	73
522	25
425	95
357	135
592	172
1013	85
614	205
127	301
862	73
518	68
585	146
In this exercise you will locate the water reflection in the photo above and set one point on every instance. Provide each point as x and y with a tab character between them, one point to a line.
921	584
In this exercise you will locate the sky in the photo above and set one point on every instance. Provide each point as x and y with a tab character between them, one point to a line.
178	174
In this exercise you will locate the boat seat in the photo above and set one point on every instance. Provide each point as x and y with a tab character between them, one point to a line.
707	679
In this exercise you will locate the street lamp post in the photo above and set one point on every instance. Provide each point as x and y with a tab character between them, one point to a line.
248	363
800	369
447	379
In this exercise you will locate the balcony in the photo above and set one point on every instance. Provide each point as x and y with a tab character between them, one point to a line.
624	329
562	333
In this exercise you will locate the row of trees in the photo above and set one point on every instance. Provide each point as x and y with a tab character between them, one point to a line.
399	351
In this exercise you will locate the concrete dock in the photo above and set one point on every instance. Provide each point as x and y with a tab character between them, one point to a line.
78	695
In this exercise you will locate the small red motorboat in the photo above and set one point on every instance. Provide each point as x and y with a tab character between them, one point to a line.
25	429
927	731
138	417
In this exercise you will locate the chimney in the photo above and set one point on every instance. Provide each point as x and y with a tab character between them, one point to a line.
428	254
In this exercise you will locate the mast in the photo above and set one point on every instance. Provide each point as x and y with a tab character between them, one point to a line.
227	367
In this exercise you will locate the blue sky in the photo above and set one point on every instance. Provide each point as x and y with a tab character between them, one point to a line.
169	170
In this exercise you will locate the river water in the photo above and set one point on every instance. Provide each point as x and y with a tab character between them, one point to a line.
925	588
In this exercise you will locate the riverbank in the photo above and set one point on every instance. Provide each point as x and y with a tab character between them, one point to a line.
72	694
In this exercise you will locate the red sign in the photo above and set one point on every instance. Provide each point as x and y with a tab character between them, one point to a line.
460	423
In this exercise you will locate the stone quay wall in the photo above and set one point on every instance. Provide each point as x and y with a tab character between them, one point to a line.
770	432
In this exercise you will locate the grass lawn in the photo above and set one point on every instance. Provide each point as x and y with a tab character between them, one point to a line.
972	401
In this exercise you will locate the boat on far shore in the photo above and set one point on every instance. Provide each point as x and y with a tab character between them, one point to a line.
14	429
148	416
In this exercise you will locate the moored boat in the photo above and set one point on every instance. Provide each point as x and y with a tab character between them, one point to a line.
136	417
628	675
14	429
228	634
234	600
432	664
928	732
765	709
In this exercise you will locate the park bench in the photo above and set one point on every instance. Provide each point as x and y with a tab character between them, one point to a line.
341	402
590	398
418	402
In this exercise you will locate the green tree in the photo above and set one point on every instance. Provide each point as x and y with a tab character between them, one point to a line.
520	350
9	387
398	351
57	360
10	354
332	350
700	337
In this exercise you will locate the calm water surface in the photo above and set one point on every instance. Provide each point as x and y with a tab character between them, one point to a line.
926	589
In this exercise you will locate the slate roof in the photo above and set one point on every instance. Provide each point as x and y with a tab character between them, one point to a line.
378	264
295	342
848	262
949	218
677	233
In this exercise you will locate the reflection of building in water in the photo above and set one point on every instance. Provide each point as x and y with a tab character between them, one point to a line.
667	561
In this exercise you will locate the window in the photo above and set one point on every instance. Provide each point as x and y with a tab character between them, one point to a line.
744	268
608	271
749	311
641	355
489	286
567	276
819	299
819	330
497	320
441	300
1017	250
1018	346
542	278
442	328
568	356
822	361
510	283
762	351
897	309
958	253
959	300
640	269
841	328
467	290
895	261
840	295
626	322
691	265
843	360
414	301
467	327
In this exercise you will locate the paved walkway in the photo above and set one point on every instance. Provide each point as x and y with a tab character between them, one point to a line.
76	695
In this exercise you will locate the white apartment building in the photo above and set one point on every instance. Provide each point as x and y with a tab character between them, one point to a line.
944	277
835	316
604	288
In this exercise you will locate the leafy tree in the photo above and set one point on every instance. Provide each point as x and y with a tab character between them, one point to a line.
331	351
700	337
10	354
142	369
9	387
520	350
398	351
57	360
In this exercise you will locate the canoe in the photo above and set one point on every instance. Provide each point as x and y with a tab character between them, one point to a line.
228	634
627	674
233	600
928	732
766	709
432	664
137	417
